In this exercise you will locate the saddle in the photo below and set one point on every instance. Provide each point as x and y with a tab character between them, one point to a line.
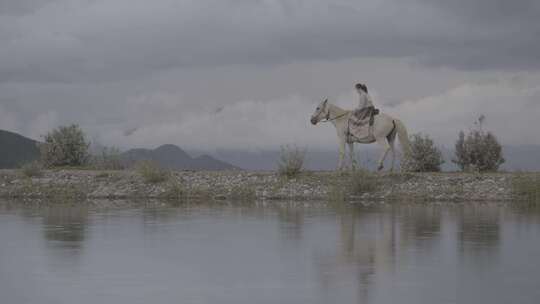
361	125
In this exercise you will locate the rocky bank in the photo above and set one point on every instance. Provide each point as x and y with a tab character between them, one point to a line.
243	185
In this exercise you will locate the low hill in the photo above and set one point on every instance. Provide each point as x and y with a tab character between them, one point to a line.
16	150
172	157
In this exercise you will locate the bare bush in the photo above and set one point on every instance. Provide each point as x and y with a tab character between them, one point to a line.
424	155
64	146
478	151
291	161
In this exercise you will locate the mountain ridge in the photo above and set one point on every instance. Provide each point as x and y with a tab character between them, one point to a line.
16	150
173	157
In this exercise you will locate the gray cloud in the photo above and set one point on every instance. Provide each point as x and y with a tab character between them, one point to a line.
488	11
229	73
66	41
21	7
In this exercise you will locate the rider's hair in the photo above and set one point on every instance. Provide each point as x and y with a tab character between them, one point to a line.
363	87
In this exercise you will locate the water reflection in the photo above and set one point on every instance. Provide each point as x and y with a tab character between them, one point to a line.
479	234
291	222
64	231
270	252
420	225
65	226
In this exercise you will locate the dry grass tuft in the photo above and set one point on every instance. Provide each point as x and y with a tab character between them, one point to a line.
151	172
291	162
32	169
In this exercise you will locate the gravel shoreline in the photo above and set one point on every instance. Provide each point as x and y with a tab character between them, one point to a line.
246	185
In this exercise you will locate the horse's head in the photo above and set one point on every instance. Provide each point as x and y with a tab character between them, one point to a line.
321	112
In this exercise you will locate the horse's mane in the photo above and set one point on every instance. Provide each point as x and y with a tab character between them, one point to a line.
339	109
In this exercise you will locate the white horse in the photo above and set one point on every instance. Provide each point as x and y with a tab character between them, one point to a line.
384	130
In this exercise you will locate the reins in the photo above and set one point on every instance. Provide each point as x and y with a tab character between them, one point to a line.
328	119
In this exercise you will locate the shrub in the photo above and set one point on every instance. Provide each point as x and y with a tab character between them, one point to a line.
478	151
109	159
151	172
424	155
64	146
32	169
291	161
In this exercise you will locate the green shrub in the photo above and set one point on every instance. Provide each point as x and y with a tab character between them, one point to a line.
64	146
424	155
32	169
478	151
151	172
291	161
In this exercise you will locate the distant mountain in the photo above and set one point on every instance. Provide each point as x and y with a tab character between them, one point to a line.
172	157
524	158
16	150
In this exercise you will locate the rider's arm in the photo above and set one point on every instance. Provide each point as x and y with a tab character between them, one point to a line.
369	101
364	101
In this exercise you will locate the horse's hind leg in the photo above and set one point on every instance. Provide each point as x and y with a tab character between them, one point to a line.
383	142
393	151
392	141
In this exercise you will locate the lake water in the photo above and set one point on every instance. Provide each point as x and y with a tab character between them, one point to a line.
269	253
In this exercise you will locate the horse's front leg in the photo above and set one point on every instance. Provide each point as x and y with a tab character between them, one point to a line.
341	153
351	156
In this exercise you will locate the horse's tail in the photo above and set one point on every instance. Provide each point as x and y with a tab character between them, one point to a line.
403	137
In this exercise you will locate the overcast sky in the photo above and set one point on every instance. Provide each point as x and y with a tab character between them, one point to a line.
247	74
